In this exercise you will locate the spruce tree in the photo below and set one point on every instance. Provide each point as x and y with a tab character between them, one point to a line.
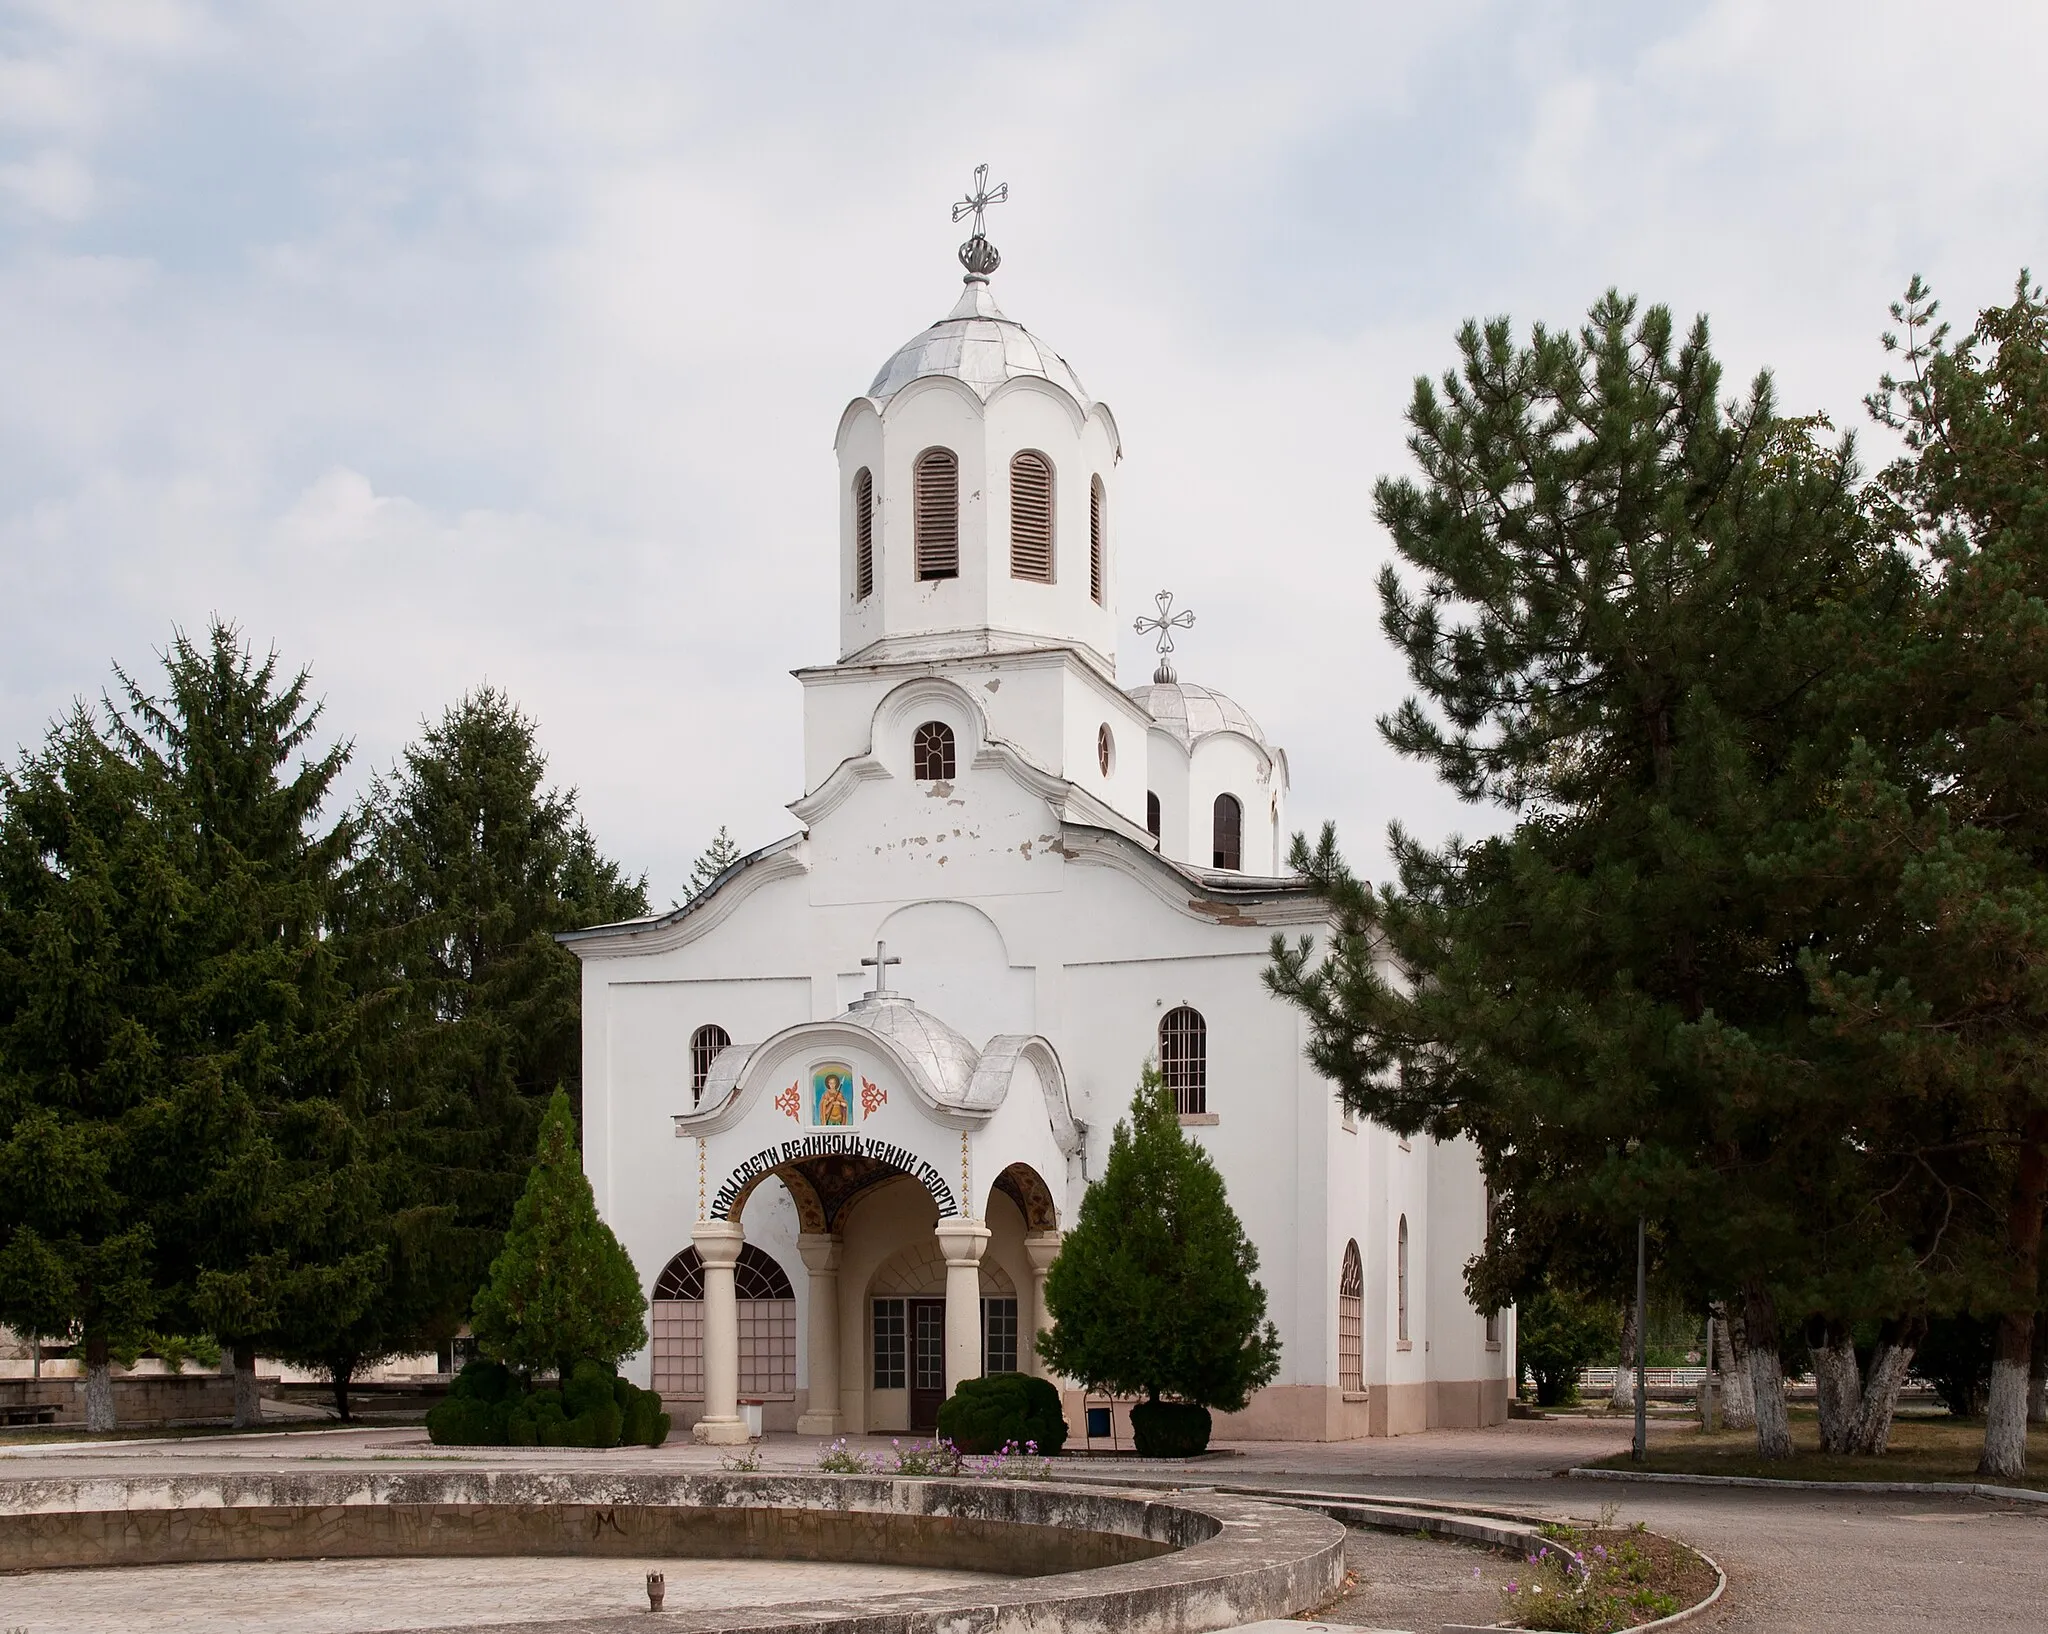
1155	1293
561	1290
1633	609
715	858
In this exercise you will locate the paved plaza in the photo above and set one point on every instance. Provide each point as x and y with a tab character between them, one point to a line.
1811	1562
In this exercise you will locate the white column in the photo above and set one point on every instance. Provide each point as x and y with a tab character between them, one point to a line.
821	1254
719	1243
1041	1248
962	1242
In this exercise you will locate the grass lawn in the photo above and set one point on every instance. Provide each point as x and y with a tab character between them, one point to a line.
1923	1448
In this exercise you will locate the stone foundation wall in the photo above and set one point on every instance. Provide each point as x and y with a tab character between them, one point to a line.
144	1398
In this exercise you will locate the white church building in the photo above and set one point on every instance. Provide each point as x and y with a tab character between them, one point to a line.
841	1106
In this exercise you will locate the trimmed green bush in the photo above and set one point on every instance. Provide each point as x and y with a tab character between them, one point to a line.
643	1423
985	1415
1169	1429
478	1410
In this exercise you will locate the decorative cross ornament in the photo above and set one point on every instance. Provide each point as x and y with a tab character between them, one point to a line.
1165	622
882	960
978	255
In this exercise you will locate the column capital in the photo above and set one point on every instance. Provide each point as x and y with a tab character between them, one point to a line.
1041	1248
821	1252
962	1240
718	1242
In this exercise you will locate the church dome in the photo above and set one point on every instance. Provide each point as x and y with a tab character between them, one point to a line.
1192	713
945	1058
976	345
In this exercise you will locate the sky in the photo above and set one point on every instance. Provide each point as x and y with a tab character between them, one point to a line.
438	344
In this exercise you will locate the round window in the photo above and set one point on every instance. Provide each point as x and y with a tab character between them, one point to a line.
1105	749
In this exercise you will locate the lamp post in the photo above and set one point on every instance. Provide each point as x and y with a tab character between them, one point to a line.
1639	1449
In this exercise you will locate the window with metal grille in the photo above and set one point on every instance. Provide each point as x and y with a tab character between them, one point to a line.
767	1324
1351	1322
863	533
1098	532
891	1351
1031	517
1105	749
998	1336
1184	1058
936	481
705	1043
931	752
1229	833
1401	1282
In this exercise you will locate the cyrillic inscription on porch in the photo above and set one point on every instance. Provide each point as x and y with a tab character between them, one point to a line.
834	1145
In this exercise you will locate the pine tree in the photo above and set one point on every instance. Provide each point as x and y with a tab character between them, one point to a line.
1154	1293
561	1290
716	857
470	866
1633	611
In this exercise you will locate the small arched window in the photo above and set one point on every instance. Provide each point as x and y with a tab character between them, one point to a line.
1098	538
705	1043
1105	749
936	480
1401	1282
1152	814
863	534
1351	1322
932	753
1184	1058
1229	836
1031	517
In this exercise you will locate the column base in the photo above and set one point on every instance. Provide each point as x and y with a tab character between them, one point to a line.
821	1424
721	1432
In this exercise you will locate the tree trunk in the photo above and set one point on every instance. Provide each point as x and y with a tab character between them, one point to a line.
2005	1414
1738	1395
99	1387
339	1380
2037	1375
248	1399
1838	1385
1622	1397
1766	1376
1897	1340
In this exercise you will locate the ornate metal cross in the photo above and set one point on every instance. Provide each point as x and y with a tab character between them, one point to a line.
978	255
1165	622
882	960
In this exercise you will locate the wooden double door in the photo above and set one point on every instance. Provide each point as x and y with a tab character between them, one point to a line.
926	1321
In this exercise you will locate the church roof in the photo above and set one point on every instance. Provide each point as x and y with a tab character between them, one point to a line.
1192	713
976	345
944	1056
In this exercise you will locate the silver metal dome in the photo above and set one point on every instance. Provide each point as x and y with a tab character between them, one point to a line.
946	1060
1192	713
976	345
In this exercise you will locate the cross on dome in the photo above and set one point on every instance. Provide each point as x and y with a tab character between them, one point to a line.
978	255
1165	622
881	961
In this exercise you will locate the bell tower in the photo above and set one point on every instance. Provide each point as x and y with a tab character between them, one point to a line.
977	480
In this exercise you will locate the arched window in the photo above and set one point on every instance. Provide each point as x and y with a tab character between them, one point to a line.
1152	814
863	534
1105	749
1031	517
1184	1058
936	480
705	1043
1351	1322
932	753
1401	1282
1229	838
767	1313
1098	537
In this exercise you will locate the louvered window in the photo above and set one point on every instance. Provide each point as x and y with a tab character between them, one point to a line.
1351	1322
1229	836
1184	1058
938	514
1098	543
931	753
705	1043
1031	518
1152	814
863	534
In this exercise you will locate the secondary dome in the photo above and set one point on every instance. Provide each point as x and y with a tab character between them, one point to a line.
1191	713
976	345
946	1059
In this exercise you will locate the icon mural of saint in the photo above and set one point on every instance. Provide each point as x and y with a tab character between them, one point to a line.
831	1106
